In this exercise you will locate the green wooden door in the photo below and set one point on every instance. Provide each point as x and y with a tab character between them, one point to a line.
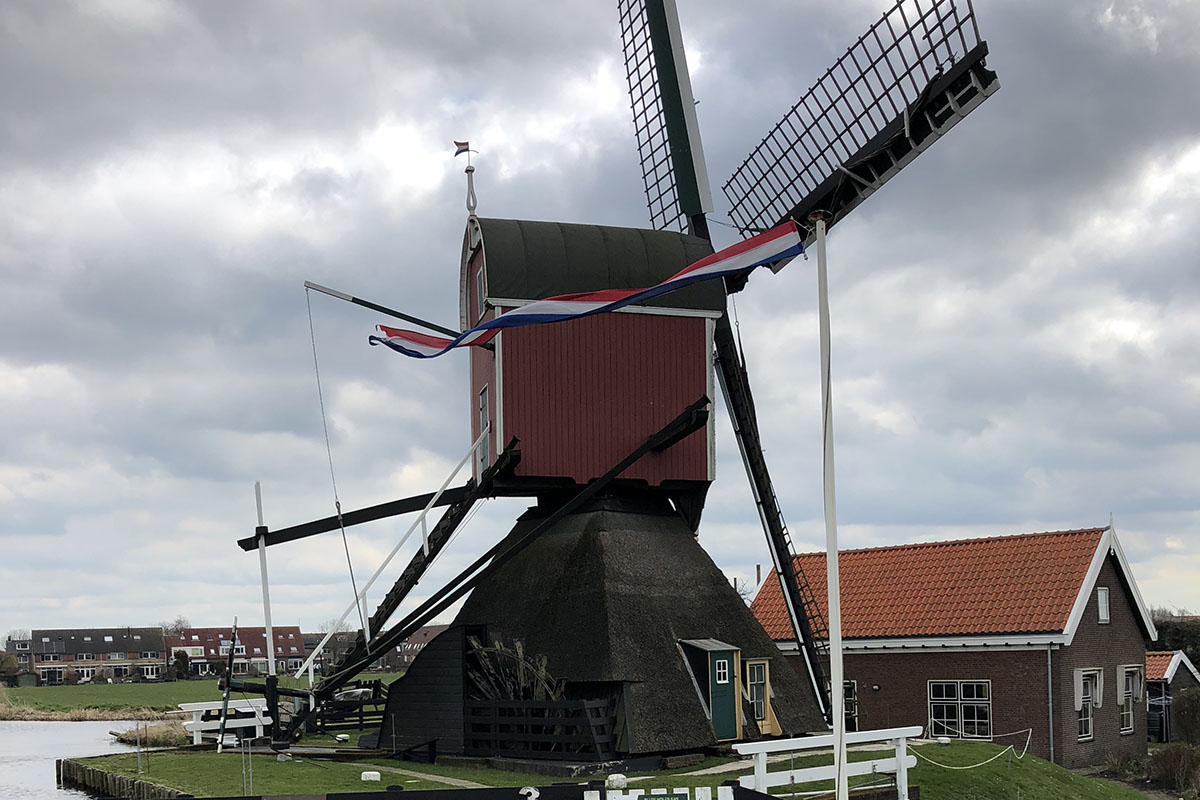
722	693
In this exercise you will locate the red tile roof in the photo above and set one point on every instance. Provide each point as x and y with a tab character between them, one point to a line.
1001	584
289	642
1157	662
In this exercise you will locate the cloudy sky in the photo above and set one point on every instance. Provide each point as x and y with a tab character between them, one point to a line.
1015	316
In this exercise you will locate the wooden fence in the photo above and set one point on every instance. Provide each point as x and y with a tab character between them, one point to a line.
580	730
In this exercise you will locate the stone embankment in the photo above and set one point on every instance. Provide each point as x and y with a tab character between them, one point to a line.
74	775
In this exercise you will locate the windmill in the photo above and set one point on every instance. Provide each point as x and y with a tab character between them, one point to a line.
602	586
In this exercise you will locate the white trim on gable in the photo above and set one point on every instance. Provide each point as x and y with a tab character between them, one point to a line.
1180	657
1108	543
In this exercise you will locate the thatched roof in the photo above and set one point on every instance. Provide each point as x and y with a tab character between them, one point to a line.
608	595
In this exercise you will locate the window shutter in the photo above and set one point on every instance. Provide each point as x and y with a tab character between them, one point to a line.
1078	689
1098	695
1119	685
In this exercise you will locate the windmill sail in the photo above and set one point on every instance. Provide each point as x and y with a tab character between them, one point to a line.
910	78
664	114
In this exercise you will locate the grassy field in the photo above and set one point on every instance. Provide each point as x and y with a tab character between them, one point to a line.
1006	778
117	697
207	774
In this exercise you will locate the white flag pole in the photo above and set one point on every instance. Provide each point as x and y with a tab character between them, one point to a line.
836	684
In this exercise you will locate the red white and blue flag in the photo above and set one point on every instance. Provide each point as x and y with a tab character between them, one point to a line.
460	148
778	244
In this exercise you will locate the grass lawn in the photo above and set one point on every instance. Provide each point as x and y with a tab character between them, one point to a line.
207	774
115	696
1006	778
163	696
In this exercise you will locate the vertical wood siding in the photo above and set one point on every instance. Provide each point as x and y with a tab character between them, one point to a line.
582	394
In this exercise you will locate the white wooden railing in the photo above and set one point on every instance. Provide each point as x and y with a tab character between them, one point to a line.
698	793
897	763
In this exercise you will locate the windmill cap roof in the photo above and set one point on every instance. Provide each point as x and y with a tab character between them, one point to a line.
527	260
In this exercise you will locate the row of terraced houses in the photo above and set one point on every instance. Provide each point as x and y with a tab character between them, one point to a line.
91	655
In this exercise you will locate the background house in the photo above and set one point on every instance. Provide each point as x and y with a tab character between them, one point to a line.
88	654
208	647
983	638
406	651
1168	672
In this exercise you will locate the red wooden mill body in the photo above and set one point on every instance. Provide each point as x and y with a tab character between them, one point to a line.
582	394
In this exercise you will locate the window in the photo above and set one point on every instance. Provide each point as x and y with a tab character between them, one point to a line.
52	675
480	295
149	654
483	425
722	669
295	663
258	651
87	638
1088	689
85	657
22	645
45	639
293	649
756	679
291	636
137	636
85	673
239	650
960	709
850	695
1129	692
150	671
121	671
51	657
1102	604
195	638
108	638
23	659
116	656
240	668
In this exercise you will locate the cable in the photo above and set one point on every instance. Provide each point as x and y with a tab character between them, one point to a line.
1010	748
337	503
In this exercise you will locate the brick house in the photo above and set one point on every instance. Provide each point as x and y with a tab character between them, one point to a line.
1168	672
400	659
984	638
208	647
95	654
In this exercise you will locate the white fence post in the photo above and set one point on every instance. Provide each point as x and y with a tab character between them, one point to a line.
901	768
760	772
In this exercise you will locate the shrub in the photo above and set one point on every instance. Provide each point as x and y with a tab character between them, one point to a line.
1185	709
1176	766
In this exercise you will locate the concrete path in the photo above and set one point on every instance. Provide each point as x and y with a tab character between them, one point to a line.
458	783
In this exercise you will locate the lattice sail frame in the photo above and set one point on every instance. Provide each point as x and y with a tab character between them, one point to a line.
664	114
910	78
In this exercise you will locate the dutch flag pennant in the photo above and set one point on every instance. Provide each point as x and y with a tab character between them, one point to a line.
460	148
781	243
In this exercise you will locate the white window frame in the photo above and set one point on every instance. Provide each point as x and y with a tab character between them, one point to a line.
149	654
484	418
58	675
150	671
756	685
480	296
1129	693
959	703
115	656
22	645
721	668
1089	693
85	673
51	657
1103	611
85	656
850	699
108	639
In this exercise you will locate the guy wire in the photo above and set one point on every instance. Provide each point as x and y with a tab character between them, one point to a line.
337	503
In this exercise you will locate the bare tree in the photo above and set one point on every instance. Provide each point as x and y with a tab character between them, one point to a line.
332	625
18	633
176	626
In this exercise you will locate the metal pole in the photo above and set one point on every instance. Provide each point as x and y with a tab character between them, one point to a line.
836	687
262	567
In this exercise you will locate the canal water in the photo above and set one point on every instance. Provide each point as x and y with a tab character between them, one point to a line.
28	751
